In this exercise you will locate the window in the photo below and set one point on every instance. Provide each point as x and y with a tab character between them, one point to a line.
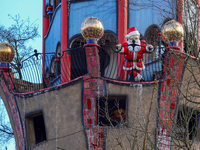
106	55
187	123
78	58
108	59
57	2
58	63
51	2
111	111
151	37
35	126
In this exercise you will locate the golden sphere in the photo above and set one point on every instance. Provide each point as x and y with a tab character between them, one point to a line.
7	53
172	31
92	28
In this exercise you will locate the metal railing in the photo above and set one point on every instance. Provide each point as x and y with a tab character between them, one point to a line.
111	68
42	70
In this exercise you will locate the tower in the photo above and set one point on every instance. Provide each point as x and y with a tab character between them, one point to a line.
76	94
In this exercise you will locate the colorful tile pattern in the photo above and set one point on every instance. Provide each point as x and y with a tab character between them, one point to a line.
93	88
6	81
168	99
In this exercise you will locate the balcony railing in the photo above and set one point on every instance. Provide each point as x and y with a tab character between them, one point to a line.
44	70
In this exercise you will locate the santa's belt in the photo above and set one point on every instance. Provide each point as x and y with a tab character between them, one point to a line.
133	60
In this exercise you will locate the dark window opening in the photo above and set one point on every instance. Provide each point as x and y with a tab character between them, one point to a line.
58	63
78	58
111	111
52	74
40	133
35	129
108	58
151	37
187	123
78	63
57	2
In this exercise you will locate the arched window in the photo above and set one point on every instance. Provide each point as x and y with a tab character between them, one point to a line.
151	37
78	57
77	41
57	2
51	2
54	3
58	63
108	58
53	69
52	73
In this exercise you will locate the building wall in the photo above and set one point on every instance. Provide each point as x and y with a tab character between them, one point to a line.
54	32
138	104
62	111
4	98
105	10
189	87
145	15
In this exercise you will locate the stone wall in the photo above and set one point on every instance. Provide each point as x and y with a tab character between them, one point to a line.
139	98
62	112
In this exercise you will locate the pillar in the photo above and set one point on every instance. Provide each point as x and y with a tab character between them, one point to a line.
180	19
93	88
122	30
45	22
66	58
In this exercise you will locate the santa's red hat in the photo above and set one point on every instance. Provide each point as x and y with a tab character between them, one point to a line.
132	32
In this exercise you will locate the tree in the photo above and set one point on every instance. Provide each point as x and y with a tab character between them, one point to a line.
185	123
6	132
19	35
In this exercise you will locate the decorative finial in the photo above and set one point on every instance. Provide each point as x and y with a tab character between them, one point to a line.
172	32
7	53
92	29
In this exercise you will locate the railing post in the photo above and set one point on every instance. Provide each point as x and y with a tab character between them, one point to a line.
122	30
45	29
180	19
66	59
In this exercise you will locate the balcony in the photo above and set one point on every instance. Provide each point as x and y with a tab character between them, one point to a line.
44	70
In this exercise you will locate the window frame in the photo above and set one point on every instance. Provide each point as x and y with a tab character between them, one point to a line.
30	129
111	98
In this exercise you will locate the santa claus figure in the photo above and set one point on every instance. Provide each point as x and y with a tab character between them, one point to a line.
133	51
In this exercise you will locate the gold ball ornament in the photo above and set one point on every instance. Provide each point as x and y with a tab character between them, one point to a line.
92	28
172	31
7	53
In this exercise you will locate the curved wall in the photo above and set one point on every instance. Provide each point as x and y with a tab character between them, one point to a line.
138	98
105	10
54	33
62	112
148	14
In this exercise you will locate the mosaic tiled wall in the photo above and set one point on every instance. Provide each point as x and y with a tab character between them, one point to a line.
7	85
93	88
174	65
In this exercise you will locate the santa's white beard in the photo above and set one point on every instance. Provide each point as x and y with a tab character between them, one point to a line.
137	48
137	42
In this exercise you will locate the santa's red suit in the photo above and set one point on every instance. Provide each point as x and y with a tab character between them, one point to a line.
134	59
134	56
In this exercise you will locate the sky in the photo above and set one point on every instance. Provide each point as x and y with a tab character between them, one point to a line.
25	8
